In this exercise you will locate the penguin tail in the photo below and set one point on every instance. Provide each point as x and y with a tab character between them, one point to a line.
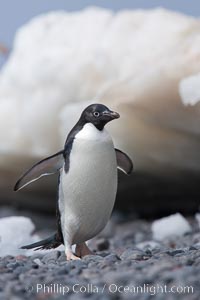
49	243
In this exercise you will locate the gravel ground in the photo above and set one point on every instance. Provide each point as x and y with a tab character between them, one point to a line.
128	265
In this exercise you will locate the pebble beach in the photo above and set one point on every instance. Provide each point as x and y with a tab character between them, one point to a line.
128	264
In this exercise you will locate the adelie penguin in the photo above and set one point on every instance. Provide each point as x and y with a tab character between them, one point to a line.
87	187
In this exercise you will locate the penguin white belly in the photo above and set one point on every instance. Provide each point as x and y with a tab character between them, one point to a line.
87	192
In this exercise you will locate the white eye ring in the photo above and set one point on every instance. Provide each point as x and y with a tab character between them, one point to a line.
96	114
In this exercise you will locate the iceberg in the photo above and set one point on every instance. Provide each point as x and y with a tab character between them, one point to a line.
189	89
173	225
131	60
14	233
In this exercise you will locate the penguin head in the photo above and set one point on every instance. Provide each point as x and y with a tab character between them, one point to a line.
99	115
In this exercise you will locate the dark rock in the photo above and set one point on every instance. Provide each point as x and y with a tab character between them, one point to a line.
92	258
62	270
36	255
22	269
8	257
13	265
62	257
38	262
102	244
191	248
175	252
52	256
78	264
189	262
111	258
109	261
197	246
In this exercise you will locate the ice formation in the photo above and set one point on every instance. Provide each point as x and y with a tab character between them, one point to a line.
16	232
150	245
189	89
197	217
174	225
132	61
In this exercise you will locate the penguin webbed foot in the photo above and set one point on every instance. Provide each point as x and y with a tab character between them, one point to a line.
80	251
71	256
83	250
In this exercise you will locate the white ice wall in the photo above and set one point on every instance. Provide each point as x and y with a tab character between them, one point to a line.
132	61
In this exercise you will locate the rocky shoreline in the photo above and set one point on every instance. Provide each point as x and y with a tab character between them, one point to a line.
128	264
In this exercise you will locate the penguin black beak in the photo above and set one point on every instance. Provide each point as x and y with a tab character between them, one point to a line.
112	114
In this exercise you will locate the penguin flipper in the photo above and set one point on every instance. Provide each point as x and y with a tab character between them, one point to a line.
47	166
124	163
50	243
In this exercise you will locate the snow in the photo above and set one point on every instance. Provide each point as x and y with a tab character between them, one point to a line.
16	232
197	217
189	89
173	225
131	60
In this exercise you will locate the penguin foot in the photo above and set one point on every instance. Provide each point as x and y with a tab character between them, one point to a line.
82	250
71	256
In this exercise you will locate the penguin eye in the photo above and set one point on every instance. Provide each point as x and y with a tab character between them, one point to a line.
96	114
